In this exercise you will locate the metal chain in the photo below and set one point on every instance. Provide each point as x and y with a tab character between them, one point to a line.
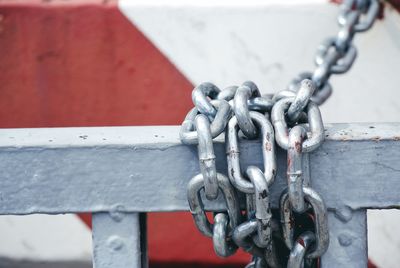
292	119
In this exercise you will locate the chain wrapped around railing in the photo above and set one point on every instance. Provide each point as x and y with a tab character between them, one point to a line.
292	119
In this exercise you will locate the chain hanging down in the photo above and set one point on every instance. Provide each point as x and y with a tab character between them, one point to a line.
292	119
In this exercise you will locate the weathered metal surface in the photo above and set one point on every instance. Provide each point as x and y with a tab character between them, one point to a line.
117	240
348	244
147	169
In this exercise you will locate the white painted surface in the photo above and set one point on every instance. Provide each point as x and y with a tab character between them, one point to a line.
45	238
270	44
384	237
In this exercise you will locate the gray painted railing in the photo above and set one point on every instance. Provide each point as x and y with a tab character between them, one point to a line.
119	173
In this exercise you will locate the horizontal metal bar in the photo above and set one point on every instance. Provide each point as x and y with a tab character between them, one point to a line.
135	169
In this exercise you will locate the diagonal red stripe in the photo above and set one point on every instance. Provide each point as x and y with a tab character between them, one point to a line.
68	63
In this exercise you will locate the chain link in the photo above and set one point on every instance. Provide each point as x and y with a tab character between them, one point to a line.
299	250
320	221
197	207
241	109
223	247
292	119
294	170
188	134
233	153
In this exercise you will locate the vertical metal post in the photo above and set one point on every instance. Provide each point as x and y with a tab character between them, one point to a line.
118	240
348	239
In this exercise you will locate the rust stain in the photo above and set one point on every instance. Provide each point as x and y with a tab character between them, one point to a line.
301	242
232	153
297	146
263	194
268	146
376	138
291	223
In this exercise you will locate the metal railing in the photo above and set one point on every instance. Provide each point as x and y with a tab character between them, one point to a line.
120	173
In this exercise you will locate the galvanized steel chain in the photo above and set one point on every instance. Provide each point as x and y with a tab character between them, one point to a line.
335	55
292	119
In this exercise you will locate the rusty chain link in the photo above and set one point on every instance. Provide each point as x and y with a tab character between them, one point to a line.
292	119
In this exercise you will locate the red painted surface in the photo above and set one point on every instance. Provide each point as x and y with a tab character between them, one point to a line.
395	4
81	63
